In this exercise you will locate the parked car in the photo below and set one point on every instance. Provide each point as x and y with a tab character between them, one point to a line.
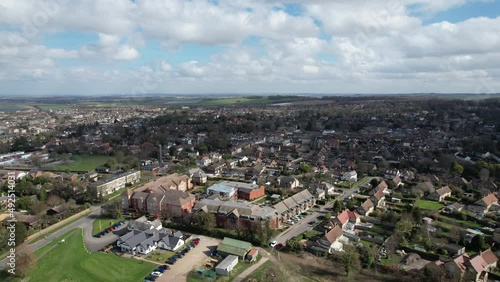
156	273
164	267
150	278
273	244
279	246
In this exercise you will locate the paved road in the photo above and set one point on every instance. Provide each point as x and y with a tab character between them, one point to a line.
303	225
95	211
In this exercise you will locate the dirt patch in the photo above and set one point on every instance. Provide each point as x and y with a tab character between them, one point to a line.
307	267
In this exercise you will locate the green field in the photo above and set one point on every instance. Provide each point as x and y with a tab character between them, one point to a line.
83	163
230	101
69	261
13	107
429	205
53	107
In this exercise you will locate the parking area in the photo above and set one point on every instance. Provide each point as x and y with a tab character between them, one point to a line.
193	259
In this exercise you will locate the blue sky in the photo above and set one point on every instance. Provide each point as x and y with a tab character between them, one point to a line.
224	46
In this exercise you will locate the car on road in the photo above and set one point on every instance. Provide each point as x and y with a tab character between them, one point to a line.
273	244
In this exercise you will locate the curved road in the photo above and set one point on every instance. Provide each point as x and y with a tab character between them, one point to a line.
93	244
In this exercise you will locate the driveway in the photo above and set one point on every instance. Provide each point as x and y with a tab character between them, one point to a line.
94	244
192	260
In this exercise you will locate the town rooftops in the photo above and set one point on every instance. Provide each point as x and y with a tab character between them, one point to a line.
443	190
240	185
487	201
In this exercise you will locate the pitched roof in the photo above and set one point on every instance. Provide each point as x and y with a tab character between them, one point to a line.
334	234
478	264
489	256
367	205
235	247
488	200
443	190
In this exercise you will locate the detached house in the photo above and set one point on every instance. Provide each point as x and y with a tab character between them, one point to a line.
440	194
484	205
332	241
144	242
347	220
465	268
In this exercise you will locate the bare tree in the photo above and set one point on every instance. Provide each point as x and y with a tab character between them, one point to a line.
25	260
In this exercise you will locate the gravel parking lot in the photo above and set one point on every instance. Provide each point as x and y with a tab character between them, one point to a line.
193	259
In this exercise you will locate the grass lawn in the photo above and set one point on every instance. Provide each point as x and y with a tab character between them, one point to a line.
70	262
102	223
391	260
161	257
83	163
265	272
429	205
468	224
44	234
261	200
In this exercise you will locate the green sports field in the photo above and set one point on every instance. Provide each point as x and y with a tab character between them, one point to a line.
69	261
83	163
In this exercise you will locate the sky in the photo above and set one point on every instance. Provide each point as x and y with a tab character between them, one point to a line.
102	47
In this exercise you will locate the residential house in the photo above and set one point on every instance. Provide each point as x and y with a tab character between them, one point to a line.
350	176
455	207
166	204
391	173
203	161
332	240
294	205
230	246
144	242
180	182
170	243
440	194
484	205
465	268
226	265
347	219
197	176
287	182
238	214
117	182
366	208
143	224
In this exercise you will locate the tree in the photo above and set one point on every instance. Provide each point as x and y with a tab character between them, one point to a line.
328	215
338	207
21	233
374	182
54	200
434	273
42	194
304	168
350	261
478	244
456	168
367	255
25	260
203	220
24	203
112	210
